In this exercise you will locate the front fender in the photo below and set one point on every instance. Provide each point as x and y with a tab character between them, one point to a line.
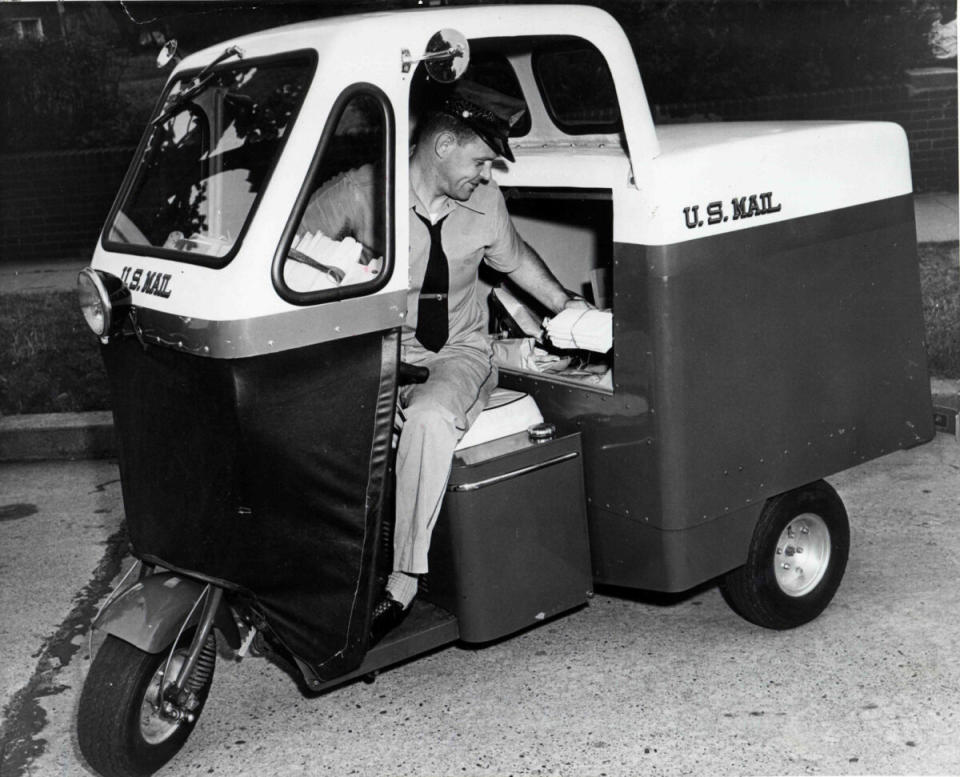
149	614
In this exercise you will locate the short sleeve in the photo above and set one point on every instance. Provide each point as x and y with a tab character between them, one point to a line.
329	210
344	206
504	253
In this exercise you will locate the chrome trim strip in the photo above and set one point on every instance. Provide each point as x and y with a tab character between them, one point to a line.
242	338
516	473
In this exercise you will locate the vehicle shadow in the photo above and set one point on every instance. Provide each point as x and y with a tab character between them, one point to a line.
654	598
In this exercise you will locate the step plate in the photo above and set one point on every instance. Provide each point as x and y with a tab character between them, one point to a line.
425	628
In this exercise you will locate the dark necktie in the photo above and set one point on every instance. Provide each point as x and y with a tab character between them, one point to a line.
432	322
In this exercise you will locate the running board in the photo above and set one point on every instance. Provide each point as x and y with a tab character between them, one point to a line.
426	627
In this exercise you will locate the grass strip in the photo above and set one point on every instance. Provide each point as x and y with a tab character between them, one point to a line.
940	287
49	359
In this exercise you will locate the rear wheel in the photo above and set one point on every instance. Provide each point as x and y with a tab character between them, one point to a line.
120	729
796	560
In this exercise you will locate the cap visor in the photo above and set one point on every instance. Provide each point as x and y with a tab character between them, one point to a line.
497	144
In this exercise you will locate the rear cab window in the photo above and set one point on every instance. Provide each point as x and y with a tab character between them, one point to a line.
577	88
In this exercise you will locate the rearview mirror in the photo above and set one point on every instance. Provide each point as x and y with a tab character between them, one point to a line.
446	58
167	53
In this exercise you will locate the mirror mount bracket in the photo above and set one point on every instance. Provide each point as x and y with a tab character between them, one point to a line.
446	57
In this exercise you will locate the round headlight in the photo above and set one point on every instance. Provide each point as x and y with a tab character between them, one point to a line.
104	300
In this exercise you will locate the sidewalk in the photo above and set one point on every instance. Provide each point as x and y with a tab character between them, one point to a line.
90	435
937	217
42	277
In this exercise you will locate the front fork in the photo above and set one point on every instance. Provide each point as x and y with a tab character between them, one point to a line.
155	612
179	698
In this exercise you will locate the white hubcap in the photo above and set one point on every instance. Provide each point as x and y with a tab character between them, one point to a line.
803	554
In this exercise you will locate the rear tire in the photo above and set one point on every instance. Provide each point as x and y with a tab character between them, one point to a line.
797	557
119	730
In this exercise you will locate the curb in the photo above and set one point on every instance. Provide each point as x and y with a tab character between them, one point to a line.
53	436
60	436
945	393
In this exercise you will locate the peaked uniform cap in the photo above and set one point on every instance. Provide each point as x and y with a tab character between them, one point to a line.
489	113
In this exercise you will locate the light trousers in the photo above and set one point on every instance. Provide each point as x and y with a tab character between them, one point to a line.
436	414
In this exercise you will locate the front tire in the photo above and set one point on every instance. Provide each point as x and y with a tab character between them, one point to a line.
797	557
119	728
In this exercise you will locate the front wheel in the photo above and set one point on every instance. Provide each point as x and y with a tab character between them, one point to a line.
797	557
120	729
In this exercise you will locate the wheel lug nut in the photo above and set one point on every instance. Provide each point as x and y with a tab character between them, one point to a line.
785	566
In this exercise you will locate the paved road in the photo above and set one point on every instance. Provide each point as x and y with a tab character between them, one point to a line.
628	685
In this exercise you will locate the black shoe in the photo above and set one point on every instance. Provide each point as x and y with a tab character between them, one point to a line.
387	615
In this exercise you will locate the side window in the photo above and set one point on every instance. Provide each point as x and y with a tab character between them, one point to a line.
577	88
340	243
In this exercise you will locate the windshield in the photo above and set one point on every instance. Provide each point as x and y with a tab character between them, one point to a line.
208	156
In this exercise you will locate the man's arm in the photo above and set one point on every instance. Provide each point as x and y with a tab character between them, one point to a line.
329	209
534	277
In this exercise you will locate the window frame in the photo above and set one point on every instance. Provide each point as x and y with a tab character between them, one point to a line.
319	296
310	59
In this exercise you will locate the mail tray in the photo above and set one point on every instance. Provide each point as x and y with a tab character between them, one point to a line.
510	548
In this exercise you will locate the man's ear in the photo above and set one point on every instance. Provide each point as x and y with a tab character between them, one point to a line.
443	143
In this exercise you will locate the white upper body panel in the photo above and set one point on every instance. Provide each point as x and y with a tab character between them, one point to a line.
792	169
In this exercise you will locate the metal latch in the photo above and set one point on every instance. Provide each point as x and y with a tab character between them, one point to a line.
945	419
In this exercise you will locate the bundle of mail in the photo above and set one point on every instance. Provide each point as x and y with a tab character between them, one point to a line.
585	329
322	263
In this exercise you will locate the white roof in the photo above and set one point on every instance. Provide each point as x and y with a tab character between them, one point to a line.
366	33
370	47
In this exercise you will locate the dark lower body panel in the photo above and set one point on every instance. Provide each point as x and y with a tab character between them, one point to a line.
745	365
265	475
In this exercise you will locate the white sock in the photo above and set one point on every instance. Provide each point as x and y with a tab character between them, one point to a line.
402	587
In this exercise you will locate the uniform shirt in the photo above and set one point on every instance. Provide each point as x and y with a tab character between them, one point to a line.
477	230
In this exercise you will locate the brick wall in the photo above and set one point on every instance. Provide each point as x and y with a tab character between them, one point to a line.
925	106
53	205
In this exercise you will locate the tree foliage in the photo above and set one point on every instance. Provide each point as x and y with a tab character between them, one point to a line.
62	94
719	49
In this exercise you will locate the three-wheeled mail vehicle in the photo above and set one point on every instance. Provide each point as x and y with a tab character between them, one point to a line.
766	324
